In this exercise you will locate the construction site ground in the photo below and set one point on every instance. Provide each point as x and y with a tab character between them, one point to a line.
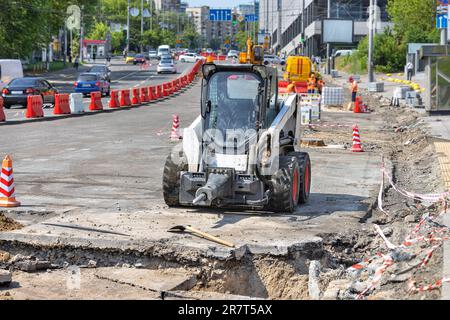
93	224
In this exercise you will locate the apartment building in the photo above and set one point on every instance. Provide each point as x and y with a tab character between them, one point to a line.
289	21
167	5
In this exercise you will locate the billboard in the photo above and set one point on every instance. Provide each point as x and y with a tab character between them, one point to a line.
337	31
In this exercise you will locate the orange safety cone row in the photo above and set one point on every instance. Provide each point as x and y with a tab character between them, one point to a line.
2	112
135	100
7	185
174	135
114	102
356	140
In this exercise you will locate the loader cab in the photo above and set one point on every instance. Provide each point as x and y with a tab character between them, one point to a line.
239	97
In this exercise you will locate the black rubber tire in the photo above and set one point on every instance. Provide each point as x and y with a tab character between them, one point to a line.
304	162
283	198
171	179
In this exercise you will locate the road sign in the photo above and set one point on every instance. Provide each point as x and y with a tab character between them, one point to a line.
442	21
250	18
442	2
220	14
134	12
241	18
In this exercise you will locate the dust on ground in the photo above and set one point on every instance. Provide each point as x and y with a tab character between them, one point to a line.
8	224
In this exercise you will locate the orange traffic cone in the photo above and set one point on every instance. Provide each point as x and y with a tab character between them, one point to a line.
7	188
356	140
358	105
174	136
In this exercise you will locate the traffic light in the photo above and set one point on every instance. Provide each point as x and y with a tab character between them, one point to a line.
234	19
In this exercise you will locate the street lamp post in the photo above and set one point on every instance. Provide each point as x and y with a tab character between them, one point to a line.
128	26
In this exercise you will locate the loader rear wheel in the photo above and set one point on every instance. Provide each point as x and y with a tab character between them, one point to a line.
304	163
171	179
286	185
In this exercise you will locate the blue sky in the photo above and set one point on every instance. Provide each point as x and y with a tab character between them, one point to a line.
218	3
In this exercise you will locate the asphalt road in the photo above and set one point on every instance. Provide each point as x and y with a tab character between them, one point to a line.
105	172
123	76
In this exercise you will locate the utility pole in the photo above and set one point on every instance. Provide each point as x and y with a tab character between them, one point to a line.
81	35
142	25
65	45
328	44
128	27
371	34
280	23
303	27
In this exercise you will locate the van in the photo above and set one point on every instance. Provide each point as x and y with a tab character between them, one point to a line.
9	70
340	53
163	50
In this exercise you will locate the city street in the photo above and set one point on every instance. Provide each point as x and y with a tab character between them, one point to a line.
257	151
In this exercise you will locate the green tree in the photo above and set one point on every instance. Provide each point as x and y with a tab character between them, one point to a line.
98	32
420	24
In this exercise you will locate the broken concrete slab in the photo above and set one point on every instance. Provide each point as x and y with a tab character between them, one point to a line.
152	280
204	295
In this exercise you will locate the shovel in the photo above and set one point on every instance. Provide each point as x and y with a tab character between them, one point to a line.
199	233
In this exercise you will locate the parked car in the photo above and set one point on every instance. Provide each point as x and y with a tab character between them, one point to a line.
233	54
153	54
271	59
166	65
130	58
190	57
139	58
92	82
10	69
18	90
102	70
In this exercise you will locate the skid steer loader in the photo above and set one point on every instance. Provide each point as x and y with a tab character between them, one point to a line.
243	150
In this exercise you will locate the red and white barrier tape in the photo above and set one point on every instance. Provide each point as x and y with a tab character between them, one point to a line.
388	261
331	125
412	285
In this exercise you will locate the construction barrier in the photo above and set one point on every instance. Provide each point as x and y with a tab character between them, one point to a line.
34	107
62	104
7	186
144	95
165	90
151	94
76	103
114	102
159	92
135	100
125	98
2	112
96	102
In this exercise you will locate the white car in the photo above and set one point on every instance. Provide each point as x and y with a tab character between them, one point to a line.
270	59
166	65
153	54
233	54
190	57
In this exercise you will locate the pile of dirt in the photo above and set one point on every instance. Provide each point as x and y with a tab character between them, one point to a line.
7	224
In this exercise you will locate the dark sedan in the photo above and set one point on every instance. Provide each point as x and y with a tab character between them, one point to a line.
102	70
139	58
18	90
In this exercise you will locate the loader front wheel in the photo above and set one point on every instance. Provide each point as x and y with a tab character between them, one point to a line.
171	179
286	186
